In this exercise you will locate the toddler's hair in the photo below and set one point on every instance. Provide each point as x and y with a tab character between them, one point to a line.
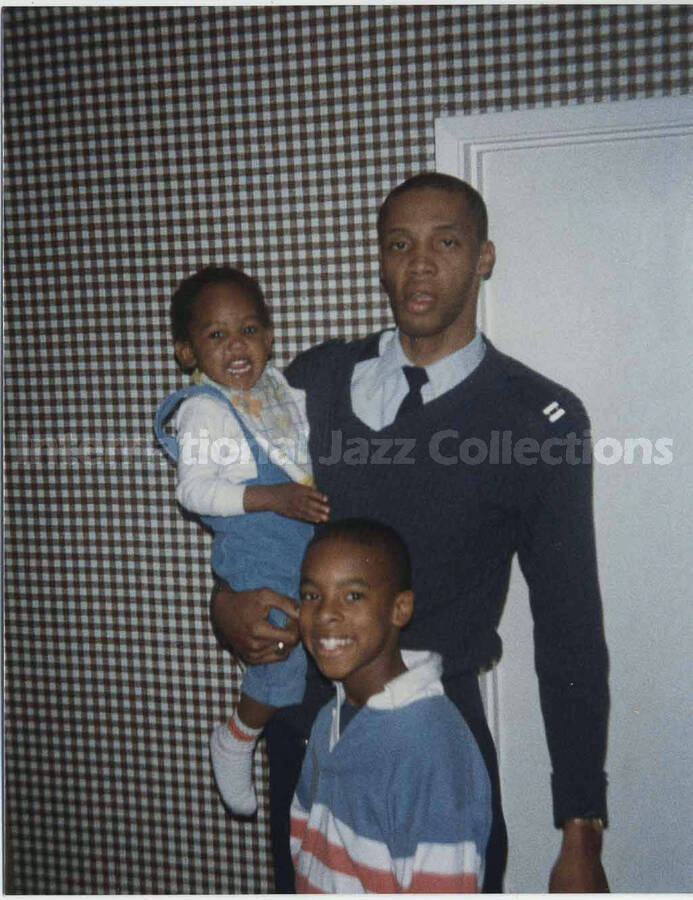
188	290
371	533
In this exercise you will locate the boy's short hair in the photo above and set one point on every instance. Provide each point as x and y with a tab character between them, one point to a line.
439	181
187	292
371	533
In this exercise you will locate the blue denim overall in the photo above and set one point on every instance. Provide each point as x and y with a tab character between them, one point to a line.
259	549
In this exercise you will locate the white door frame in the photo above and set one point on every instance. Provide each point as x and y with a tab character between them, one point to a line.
464	144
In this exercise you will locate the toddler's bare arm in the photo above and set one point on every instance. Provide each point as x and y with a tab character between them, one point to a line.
293	500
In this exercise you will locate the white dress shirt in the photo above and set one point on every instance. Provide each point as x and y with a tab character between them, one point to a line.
379	385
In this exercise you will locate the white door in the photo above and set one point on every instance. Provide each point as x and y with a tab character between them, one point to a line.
591	210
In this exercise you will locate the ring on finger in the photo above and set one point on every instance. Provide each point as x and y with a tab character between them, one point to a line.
281	646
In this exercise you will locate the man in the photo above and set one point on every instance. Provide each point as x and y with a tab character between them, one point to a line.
405	428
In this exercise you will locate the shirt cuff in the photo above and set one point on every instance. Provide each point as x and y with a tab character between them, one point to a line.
583	800
213	497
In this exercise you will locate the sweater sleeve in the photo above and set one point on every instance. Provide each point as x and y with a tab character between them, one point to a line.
442	815
299	828
313	366
214	459
301	842
557	555
443	869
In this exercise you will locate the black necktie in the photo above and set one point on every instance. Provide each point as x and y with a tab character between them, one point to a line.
416	378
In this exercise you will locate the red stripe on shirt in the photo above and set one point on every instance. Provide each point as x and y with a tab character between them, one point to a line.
338	860
303	886
298	828
434	883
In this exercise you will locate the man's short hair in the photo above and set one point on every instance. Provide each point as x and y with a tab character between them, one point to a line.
371	533
183	300
441	182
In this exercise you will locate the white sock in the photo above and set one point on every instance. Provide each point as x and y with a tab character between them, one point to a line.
232	747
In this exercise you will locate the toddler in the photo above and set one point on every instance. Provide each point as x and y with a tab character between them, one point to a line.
243	468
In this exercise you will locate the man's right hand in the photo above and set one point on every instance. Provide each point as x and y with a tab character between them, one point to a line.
239	619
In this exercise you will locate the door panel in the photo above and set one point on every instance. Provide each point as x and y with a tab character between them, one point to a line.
590	210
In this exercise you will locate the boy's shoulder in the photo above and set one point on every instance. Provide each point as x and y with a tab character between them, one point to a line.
436	749
415	734
429	723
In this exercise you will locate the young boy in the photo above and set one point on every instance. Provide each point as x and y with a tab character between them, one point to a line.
234	428
393	795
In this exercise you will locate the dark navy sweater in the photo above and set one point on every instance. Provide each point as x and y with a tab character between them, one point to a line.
475	476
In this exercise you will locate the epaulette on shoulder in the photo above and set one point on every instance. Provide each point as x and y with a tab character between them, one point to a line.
549	406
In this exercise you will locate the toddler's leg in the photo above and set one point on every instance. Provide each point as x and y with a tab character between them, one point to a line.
232	747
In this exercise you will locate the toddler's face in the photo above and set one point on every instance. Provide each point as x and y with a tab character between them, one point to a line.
226	338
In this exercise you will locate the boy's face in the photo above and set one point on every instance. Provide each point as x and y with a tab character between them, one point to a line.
226	339
351	615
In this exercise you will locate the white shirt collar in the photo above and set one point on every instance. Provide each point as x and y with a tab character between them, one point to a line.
378	384
421	679
443	374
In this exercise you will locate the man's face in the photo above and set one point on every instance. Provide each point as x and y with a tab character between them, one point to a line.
351	613
431	264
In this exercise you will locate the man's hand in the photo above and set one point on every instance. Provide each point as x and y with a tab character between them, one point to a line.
295	501
578	868
239	619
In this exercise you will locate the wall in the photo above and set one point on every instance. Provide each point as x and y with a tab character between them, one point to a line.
140	144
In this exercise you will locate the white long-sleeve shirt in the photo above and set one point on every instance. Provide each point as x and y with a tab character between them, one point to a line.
215	461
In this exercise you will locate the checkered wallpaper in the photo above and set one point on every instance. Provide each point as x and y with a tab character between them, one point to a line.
140	144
